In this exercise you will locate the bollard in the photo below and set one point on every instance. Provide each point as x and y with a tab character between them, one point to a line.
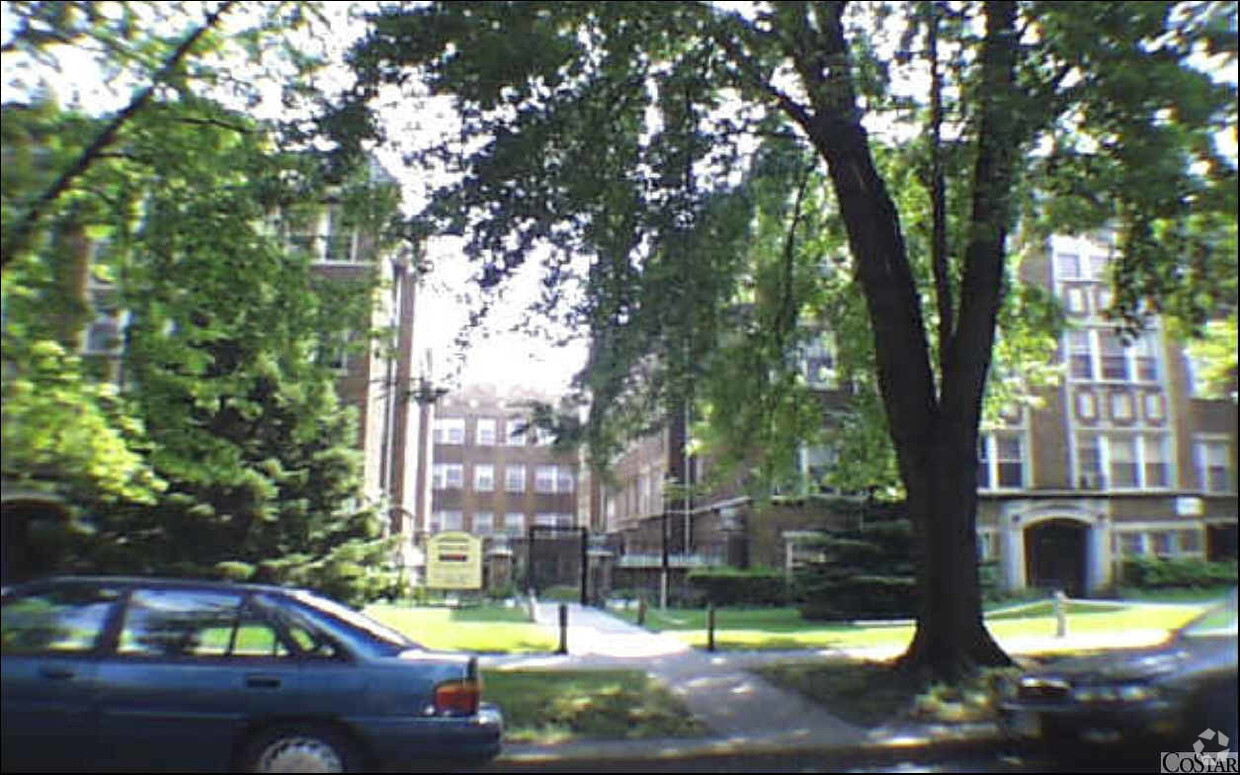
641	612
1061	614
710	627
563	629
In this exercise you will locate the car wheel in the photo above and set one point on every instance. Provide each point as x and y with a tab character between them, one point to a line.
300	749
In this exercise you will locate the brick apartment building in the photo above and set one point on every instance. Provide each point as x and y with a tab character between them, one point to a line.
370	376
490	475
1123	459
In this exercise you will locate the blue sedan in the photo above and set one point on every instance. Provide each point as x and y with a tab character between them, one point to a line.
149	674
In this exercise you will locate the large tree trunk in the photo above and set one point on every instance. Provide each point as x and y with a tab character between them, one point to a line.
934	430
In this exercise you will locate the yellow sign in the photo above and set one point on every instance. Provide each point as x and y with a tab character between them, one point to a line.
454	561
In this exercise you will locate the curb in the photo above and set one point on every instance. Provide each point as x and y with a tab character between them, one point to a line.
654	754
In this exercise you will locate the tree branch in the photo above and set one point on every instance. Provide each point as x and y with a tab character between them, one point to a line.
18	240
938	194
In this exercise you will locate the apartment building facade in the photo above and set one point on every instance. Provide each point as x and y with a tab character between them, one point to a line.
1121	459
493	475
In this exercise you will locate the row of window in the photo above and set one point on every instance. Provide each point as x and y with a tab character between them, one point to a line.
1086	299
1121	407
1160	543
1099	354
1125	543
550	479
451	430
483	522
1079	259
1107	461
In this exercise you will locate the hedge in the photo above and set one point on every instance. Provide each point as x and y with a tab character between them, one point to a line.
1158	573
734	586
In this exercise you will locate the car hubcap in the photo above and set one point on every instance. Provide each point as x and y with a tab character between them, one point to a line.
300	754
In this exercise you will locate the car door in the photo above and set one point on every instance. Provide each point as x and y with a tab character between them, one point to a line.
192	666
52	636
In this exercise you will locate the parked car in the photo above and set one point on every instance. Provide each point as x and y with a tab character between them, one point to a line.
142	674
1173	691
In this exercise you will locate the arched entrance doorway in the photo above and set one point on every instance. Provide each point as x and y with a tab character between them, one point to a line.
1056	555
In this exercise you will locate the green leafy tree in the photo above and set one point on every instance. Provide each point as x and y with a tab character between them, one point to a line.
615	131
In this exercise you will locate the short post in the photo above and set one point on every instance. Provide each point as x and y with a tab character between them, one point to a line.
710	627
1061	614
641	612
563	629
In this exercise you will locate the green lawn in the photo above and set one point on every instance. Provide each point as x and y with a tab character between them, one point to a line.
545	706
783	628
483	628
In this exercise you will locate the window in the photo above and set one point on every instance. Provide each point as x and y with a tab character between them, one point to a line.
485	433
1089	462
449	430
334	351
564	480
1076	299
1009	454
1214	466
63	620
448	476
447	522
1190	542
1124	468
341	238
818	362
1067	265
1114	356
553	520
543	437
191	623
1131	544
516	431
1157	462
484	523
1102	299
1080	355
1155	407
1001	461
514	523
1086	406
1163	543
1121	406
484	478
1145	353
1098	266
544	479
514	479
105	334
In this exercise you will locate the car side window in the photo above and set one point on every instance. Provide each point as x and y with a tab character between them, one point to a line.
59	620
179	623
257	638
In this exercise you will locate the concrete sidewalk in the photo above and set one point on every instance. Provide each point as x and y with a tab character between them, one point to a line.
746	714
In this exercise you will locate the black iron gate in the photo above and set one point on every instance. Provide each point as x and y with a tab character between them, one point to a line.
557	557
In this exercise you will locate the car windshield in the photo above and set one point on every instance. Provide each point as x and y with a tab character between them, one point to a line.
1216	622
380	632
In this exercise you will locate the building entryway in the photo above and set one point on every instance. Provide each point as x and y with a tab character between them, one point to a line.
1055	556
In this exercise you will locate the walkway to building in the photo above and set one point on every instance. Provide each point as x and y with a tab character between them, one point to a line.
743	711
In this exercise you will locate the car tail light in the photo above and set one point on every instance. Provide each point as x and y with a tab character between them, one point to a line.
458	698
